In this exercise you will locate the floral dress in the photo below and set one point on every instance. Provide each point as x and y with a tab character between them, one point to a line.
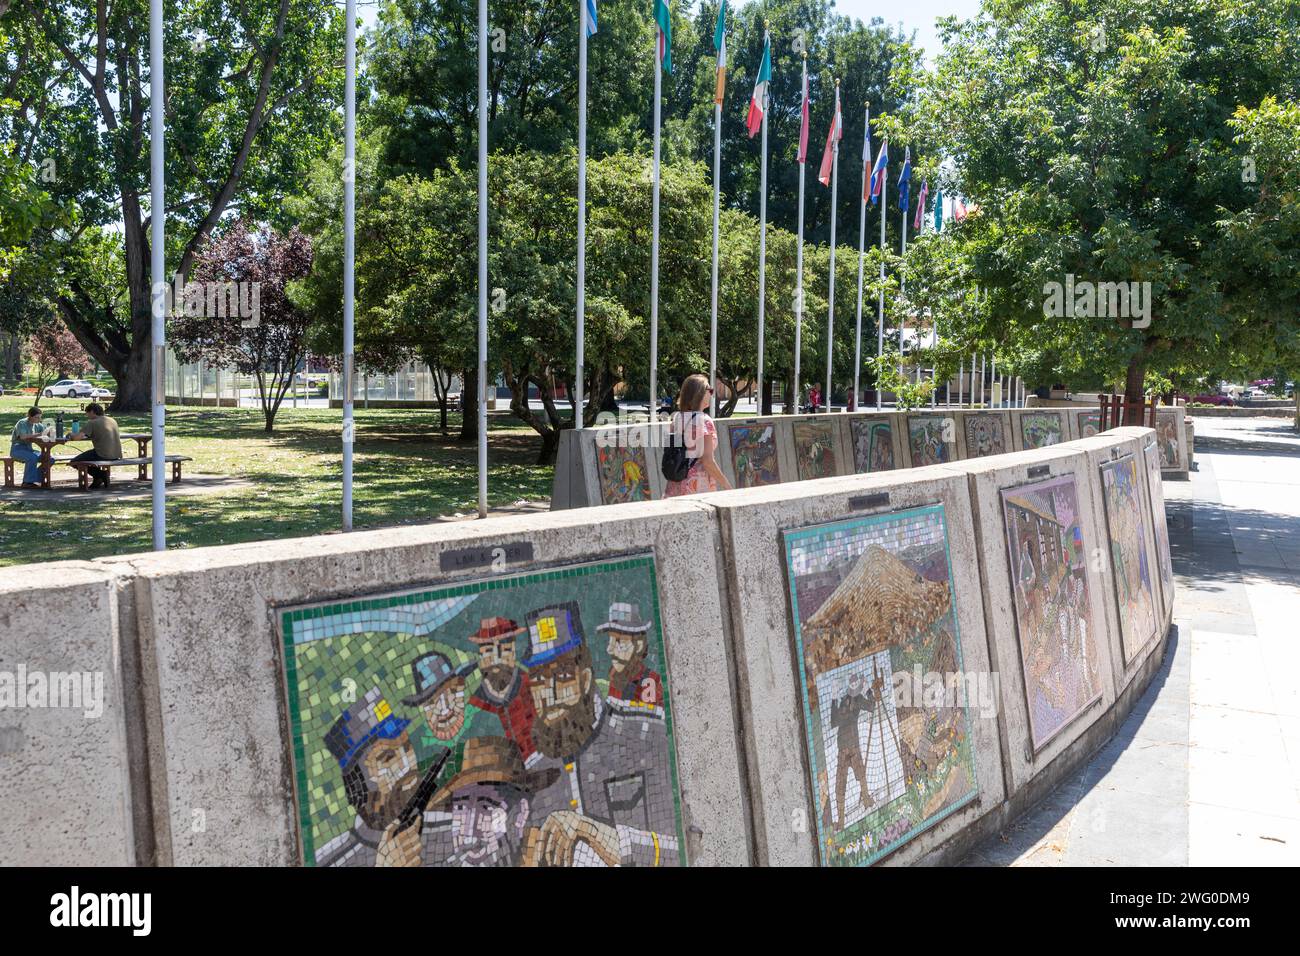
701	440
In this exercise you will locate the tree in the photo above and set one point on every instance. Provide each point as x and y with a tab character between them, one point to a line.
1097	141
252	87
272	343
57	354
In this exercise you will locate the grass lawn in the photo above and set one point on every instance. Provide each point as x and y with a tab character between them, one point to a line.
405	472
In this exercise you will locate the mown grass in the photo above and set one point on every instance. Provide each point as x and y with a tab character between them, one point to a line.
405	472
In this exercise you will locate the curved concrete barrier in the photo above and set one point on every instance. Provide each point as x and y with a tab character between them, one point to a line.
859	669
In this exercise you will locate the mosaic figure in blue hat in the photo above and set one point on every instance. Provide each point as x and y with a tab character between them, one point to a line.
612	801
382	781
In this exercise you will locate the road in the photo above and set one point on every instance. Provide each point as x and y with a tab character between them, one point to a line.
1206	770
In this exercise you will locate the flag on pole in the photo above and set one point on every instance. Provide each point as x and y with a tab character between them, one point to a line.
905	180
879	171
866	158
803	120
920	206
720	46
591	17
665	20
833	136
938	211
758	102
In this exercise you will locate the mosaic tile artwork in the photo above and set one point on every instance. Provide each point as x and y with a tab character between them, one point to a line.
753	455
1167	437
1089	423
1161	522
623	474
814	449
1042	429
932	439
985	436
524	720
873	445
872	598
1049	578
1130	559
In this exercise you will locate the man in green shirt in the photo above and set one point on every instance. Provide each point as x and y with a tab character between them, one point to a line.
101	431
20	447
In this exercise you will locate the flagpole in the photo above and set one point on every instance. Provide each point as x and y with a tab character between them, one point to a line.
482	253
583	14
880	314
830	295
158	267
798	256
902	293
762	234
654	231
862	254
717	200
349	251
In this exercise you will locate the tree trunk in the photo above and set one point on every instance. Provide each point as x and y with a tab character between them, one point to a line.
767	398
1134	388
469	401
134	392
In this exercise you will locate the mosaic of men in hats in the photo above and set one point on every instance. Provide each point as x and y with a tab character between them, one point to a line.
489	803
440	696
504	688
612	803
629	678
380	777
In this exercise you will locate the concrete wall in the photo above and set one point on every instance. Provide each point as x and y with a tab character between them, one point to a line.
577	483
191	761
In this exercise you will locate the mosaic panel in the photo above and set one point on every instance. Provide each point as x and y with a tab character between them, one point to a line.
623	474
1167	437
872	599
985	435
932	439
1089	423
1130	560
753	455
1049	577
1042	429
814	449
873	445
524	720
1161	523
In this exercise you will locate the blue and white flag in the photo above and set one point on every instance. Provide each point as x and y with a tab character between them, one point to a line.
591	17
878	173
905	180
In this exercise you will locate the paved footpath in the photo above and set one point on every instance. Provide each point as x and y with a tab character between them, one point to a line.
1206	770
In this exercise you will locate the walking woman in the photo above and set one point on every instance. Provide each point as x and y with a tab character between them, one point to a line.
701	439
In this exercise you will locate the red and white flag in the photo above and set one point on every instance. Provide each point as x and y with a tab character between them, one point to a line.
832	139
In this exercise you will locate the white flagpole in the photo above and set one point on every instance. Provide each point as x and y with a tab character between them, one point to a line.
798	257
902	291
654	233
582	223
762	234
349	249
983	369
880	315
717	199
830	295
482	253
862	255
157	267
993	375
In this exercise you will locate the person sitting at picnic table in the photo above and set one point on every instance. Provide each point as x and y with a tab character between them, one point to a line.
25	432
101	430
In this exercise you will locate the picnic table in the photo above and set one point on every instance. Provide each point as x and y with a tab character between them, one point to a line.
48	443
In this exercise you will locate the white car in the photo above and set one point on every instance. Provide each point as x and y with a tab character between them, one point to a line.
70	388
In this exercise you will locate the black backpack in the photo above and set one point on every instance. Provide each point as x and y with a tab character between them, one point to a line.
677	462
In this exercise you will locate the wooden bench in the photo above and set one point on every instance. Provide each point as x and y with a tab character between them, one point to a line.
83	467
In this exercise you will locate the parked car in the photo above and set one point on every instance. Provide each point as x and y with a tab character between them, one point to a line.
1209	398
70	388
101	393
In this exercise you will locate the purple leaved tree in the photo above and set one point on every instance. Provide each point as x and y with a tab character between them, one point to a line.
235	311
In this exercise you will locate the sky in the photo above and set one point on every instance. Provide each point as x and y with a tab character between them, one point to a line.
918	15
